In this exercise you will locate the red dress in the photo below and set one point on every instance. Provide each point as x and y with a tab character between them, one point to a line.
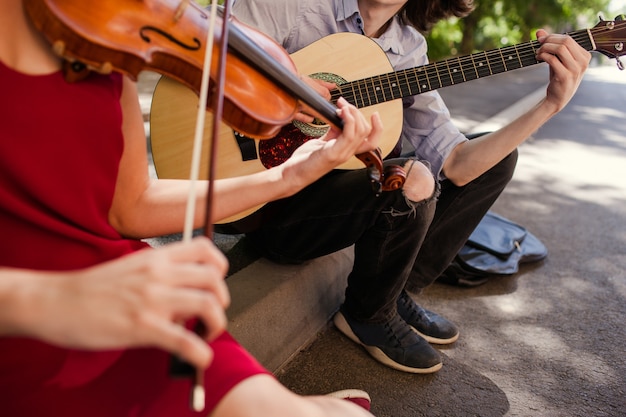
60	147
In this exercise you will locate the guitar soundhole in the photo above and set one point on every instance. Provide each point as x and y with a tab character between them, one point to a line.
318	127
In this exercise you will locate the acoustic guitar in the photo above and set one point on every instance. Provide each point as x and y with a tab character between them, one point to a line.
364	77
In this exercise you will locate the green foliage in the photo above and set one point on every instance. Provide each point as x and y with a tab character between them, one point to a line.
207	2
497	23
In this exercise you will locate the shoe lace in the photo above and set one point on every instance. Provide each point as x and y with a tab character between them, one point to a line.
399	332
409	310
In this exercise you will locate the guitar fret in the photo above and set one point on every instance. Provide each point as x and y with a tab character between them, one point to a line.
415	82
351	96
494	61
437	80
456	69
385	89
375	91
398	86
391	85
443	76
489	62
482	66
503	60
423	80
364	97
362	93
475	68
513	58
412	81
356	97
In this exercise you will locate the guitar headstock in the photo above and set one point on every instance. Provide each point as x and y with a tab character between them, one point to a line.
609	37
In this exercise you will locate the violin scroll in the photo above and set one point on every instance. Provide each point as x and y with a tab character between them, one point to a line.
382	178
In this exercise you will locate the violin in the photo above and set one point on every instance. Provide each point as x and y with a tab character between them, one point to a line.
262	92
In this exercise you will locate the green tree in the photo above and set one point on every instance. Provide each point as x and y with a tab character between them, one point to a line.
496	23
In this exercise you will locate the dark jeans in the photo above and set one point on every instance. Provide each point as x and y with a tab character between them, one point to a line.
397	243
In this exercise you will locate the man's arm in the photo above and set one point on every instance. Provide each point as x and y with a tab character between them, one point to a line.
568	62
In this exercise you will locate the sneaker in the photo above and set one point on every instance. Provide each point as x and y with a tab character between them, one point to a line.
356	396
427	324
393	344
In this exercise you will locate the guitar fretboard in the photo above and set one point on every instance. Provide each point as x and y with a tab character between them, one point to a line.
409	82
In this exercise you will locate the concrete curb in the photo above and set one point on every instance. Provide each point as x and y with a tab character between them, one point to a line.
277	309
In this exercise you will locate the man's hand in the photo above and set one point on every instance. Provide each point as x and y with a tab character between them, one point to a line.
322	88
568	62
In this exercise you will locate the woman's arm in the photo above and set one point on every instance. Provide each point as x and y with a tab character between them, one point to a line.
144	295
145	207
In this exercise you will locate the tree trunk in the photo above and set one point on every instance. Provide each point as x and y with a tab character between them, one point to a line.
469	25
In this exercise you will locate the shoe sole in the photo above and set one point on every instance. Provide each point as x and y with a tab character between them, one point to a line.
355	396
377	353
435	340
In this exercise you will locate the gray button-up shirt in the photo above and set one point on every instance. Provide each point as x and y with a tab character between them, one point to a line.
296	24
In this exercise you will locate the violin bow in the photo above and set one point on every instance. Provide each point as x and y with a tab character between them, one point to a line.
198	395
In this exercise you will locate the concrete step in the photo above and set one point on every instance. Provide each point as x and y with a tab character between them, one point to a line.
277	310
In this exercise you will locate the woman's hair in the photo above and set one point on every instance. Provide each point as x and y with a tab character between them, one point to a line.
423	14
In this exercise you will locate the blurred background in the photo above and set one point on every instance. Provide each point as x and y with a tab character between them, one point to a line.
498	23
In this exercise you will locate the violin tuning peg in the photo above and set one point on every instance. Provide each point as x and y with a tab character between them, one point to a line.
106	68
619	63
58	47
620	17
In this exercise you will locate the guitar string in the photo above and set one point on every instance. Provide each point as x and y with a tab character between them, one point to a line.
374	90
428	75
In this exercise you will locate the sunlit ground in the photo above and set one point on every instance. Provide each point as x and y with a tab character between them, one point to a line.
551	338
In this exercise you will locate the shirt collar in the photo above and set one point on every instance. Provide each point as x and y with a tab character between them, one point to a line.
389	41
344	9
347	9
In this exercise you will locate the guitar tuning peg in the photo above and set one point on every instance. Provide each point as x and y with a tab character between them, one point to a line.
619	64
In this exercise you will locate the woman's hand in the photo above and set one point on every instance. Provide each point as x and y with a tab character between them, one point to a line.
316	157
137	300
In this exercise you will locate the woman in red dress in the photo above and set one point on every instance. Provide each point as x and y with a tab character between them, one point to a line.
88	313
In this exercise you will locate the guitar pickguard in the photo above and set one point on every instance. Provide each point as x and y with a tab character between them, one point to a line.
278	149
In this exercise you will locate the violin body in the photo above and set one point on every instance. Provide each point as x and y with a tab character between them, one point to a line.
168	37
261	92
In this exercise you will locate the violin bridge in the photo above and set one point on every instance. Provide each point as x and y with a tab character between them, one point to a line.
180	10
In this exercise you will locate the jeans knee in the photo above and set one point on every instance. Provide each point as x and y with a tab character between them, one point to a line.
420	183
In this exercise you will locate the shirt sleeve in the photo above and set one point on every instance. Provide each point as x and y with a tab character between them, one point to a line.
427	125
275	18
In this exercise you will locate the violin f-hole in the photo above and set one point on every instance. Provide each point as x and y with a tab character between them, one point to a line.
191	47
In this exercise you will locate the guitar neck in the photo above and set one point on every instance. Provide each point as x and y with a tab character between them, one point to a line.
409	82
